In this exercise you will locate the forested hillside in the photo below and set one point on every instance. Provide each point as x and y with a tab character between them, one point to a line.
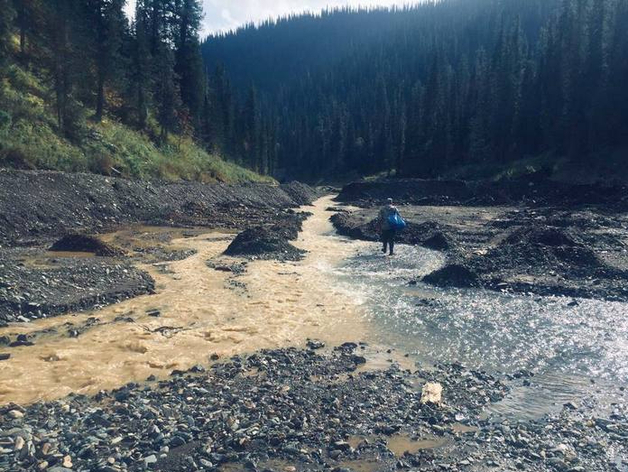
84	88
426	89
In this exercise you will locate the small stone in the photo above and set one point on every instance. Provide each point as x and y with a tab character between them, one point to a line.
432	393
152	459
19	443
16	414
342	445
67	462
315	344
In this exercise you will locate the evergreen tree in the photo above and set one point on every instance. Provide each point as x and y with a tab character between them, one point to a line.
6	20
188	59
110	26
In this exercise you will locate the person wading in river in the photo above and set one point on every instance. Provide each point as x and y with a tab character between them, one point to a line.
387	231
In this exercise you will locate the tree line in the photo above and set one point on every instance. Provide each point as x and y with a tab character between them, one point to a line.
146	71
420	90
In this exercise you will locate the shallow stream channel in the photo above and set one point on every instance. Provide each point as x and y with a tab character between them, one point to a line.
555	350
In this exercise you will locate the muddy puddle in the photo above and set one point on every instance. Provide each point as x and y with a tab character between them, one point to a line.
196	311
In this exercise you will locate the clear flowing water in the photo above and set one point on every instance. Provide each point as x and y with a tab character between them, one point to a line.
573	349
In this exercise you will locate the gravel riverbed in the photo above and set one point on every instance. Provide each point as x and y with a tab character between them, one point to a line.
300	410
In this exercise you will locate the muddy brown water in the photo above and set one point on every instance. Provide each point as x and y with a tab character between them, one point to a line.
202	312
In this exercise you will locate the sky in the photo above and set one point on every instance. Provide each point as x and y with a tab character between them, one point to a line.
223	15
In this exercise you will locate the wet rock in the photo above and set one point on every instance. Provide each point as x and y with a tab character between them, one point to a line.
4	356
16	414
453	275
315	344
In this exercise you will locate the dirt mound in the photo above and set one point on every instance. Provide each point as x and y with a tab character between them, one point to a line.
269	242
438	242
431	235
355	226
84	243
263	243
544	236
542	248
453	275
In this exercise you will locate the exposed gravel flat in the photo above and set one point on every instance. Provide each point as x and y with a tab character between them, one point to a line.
296	410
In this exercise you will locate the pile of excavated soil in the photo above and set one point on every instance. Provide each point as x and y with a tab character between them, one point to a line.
85	243
269	242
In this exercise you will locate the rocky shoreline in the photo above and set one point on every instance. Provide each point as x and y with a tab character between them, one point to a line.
300	410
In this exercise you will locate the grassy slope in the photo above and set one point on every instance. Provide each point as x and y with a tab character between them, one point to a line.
29	139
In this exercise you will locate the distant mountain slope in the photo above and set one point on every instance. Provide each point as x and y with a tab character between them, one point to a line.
424	89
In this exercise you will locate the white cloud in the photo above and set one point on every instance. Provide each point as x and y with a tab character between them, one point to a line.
221	15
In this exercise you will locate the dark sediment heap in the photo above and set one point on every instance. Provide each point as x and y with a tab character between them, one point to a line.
270	242
85	243
295	410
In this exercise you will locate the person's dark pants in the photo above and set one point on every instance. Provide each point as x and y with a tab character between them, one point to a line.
388	238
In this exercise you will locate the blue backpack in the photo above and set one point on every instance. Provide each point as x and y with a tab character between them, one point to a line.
396	222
